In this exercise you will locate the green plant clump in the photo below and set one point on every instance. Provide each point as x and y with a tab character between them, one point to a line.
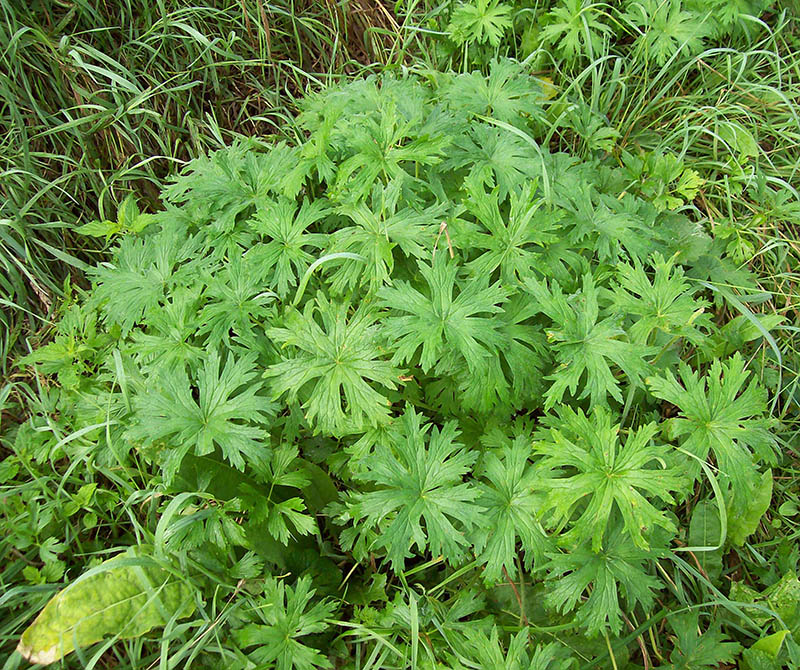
419	392
569	33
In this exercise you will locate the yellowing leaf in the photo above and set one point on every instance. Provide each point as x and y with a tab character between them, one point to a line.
125	596
549	89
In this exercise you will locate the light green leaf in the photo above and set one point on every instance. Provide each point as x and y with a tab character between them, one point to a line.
129	219
771	644
689	184
128	212
99	228
784	598
743	524
125	597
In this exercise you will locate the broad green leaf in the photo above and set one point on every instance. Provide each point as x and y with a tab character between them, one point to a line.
739	140
771	644
129	219
705	530
98	228
320	490
743	521
783	598
125	596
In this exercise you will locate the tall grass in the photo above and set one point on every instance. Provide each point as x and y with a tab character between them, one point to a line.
98	100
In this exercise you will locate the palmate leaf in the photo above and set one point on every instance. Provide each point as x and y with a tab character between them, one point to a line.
283	255
227	413
287	618
724	14
236	302
419	498
76	347
382	148
610	228
207	525
506	94
284	517
720	413
460	395
167	343
449	332
666	304
694	649
376	234
524	351
333	363
603	478
143	273
495	157
233	180
509	381
510	492
586	345
479	21
667	28
574	29
617	570
486	651
511	239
